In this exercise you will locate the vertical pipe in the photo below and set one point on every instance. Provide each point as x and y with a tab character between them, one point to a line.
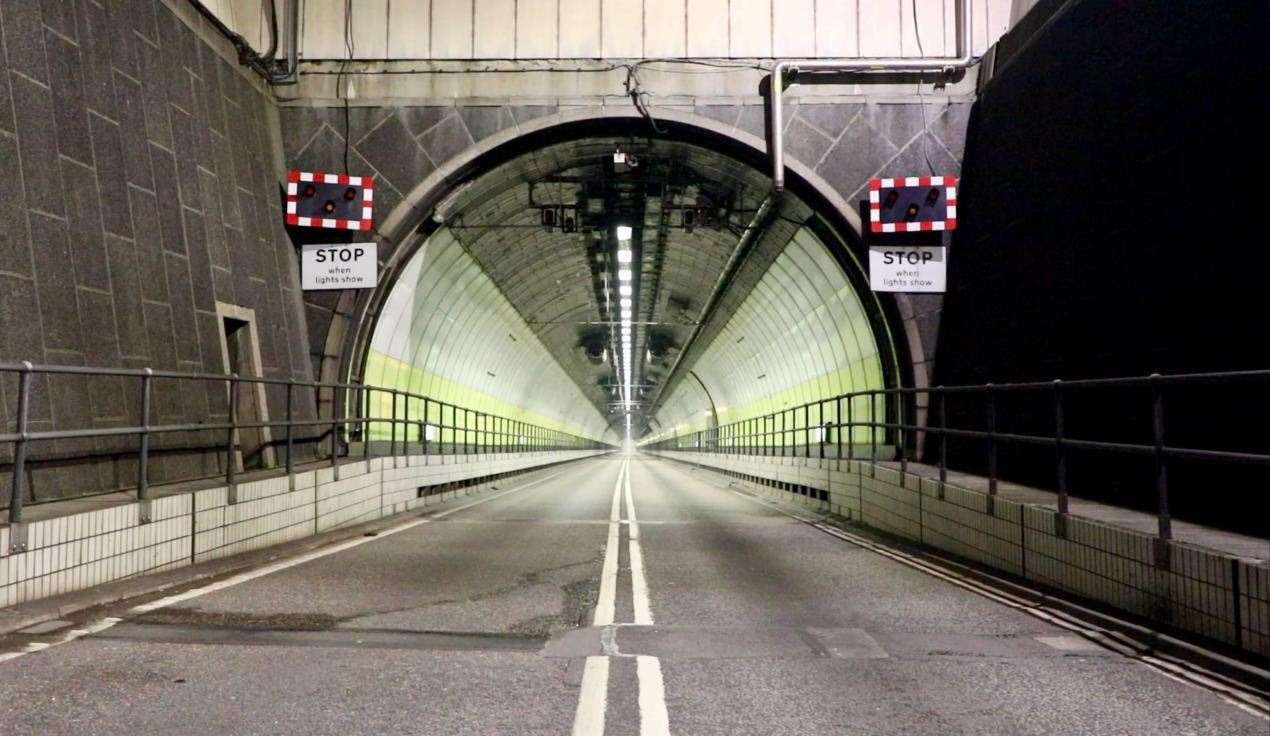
19	449
290	427
1161	465
143	454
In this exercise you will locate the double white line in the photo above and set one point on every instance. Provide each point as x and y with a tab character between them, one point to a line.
593	700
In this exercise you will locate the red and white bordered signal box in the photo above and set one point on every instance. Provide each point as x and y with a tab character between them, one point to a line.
913	204
332	201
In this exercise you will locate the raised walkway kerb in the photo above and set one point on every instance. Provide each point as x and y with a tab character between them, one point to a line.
77	544
1204	581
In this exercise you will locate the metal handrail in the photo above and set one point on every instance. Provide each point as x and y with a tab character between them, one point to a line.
468	431
781	433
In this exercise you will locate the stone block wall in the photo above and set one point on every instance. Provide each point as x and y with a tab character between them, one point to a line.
138	187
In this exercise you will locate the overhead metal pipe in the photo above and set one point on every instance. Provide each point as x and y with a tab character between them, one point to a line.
787	72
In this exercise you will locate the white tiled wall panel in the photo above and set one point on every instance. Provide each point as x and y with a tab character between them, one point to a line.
1094	560
79	551
571	29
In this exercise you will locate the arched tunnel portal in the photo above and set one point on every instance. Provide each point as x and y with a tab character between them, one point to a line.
504	290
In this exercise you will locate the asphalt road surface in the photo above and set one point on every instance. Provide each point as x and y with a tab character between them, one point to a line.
615	596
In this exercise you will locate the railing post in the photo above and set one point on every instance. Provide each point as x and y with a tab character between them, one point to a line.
901	441
143	453
19	450
873	434
992	448
807	431
290	427
1060	520
850	431
405	427
943	441
392	424
1165	532
230	448
824	431
335	431
364	394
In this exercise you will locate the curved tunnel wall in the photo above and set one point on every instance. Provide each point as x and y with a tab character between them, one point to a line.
448	333
801	335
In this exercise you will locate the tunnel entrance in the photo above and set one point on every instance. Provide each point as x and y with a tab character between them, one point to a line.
614	281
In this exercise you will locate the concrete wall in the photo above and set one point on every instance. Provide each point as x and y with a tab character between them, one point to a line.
77	551
1094	560
560	29
139	170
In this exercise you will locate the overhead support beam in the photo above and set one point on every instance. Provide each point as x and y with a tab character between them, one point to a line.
786	73
763	217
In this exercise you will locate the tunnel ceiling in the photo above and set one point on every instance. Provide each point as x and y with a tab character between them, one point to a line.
563	283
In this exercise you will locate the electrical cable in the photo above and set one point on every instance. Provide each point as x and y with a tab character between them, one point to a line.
921	100
340	91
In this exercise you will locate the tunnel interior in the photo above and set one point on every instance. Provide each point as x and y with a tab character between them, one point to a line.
619	283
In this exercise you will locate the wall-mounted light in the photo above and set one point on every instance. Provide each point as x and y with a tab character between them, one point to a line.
624	232
623	256
624	274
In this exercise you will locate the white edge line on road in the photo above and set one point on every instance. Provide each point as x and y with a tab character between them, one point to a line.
1233	697
106	623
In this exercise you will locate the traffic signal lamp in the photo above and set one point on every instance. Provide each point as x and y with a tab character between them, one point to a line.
332	201
912	204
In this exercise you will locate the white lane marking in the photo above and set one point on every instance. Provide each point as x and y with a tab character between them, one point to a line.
106	623
653	718
605	606
639	584
589	720
1247	702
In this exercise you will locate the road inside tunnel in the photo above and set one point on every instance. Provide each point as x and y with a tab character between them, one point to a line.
711	613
